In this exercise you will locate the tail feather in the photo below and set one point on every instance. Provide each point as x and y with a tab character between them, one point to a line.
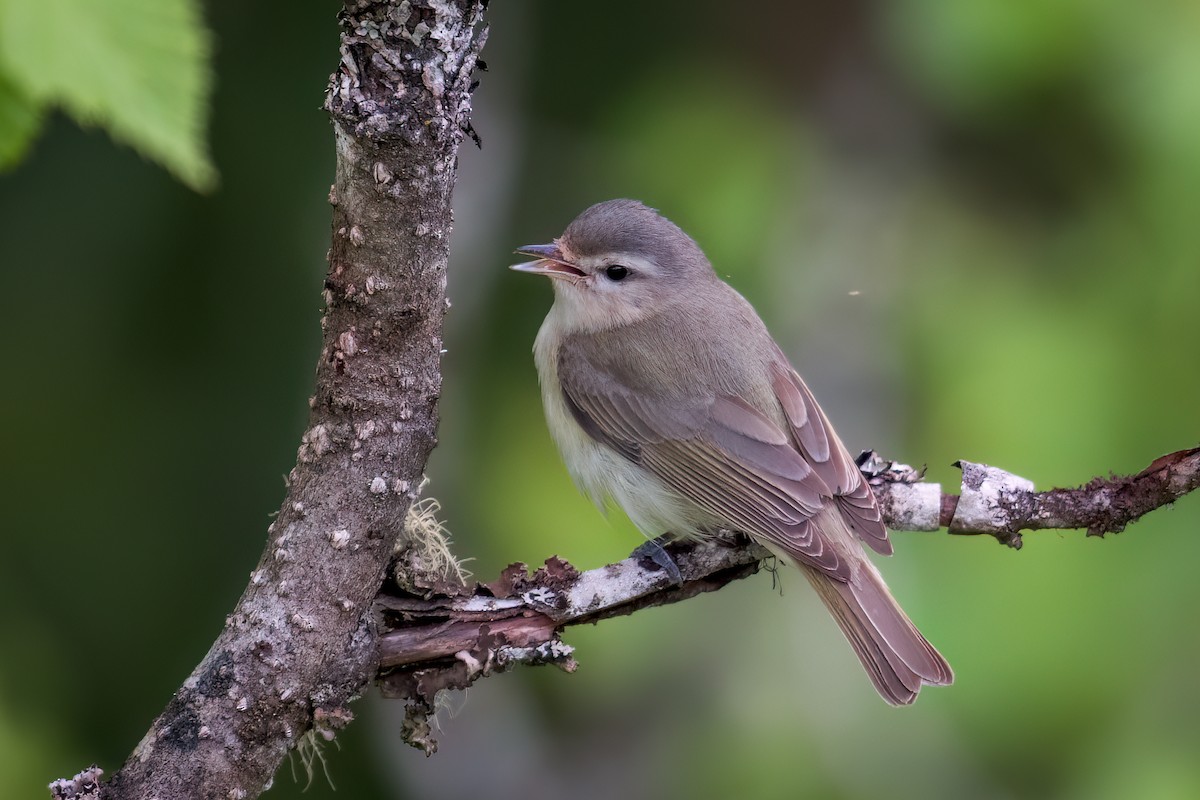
897	658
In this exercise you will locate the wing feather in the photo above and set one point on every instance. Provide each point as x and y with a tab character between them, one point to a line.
828	457
719	452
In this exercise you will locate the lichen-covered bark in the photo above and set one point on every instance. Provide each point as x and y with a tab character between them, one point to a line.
300	643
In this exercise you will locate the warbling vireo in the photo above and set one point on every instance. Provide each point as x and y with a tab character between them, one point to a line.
664	392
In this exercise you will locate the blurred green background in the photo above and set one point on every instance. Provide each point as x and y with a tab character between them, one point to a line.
973	226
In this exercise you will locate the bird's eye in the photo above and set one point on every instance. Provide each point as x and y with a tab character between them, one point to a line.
617	273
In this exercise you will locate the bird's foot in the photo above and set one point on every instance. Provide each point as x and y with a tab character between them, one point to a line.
654	551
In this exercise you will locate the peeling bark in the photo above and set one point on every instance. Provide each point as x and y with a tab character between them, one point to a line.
301	643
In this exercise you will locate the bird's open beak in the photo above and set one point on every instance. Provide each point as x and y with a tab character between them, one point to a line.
550	262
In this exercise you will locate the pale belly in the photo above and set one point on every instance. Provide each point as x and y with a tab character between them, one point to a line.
604	474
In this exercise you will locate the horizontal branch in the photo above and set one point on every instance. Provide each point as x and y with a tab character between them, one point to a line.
1000	504
450	637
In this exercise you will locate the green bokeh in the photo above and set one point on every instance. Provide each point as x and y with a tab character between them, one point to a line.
972	225
138	68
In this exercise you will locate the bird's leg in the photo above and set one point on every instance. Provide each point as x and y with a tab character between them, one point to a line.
653	550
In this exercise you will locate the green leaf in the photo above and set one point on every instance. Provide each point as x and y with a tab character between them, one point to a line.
20	119
139	68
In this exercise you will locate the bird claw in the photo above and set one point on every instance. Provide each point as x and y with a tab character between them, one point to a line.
653	550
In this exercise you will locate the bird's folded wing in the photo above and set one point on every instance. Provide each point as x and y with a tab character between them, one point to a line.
718	452
824	451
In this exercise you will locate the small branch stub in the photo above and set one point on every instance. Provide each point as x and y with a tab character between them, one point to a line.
83	786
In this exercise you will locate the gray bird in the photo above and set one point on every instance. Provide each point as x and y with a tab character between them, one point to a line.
665	393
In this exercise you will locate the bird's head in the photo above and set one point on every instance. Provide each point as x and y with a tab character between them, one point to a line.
617	263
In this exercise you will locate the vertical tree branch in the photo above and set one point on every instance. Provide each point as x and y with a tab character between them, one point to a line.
300	643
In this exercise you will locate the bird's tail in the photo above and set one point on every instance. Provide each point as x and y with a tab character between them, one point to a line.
897	657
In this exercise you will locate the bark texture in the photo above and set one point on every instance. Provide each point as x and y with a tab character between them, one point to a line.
301	642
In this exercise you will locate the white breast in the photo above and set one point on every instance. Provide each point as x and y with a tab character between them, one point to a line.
600	472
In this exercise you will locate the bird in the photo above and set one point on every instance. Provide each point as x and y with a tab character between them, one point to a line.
666	394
